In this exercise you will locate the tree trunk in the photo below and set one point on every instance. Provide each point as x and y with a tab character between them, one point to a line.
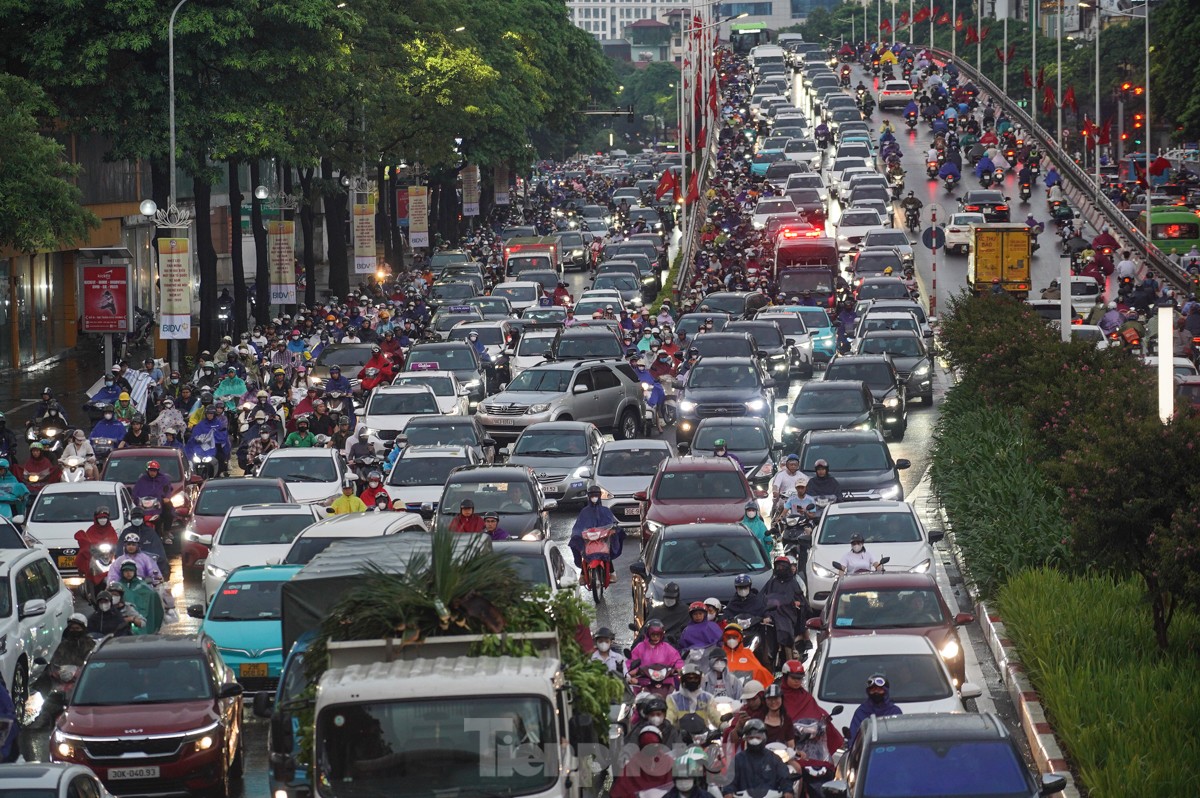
288	188
1161	611
240	301
383	225
207	257
448	208
262	268
335	232
307	231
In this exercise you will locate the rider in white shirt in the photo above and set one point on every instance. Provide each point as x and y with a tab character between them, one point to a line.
858	558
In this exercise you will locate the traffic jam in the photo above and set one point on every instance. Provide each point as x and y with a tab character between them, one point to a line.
716	477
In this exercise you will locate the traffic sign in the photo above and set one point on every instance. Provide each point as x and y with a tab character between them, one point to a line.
933	238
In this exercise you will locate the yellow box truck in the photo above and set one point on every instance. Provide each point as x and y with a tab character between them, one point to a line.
1000	252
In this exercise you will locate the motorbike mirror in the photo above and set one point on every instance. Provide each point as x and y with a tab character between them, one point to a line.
196	479
839	709
760	494
884	560
684	447
488	441
963	618
814	624
838	566
970	690
935	535
633	627
196	611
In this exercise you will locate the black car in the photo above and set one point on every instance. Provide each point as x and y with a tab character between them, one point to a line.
738	304
748	439
575	250
438	430
858	459
777	352
451	292
722	387
725	344
907	350
691	323
808	201
701	558
937	754
992	204
657	260
881	288
881	376
828	404
871	262
585	343
511	491
457	356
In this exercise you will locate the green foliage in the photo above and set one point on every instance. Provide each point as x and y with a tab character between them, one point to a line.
39	206
1174	31
1122	707
668	289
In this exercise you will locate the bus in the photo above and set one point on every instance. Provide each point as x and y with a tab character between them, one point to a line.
745	36
1172	227
806	261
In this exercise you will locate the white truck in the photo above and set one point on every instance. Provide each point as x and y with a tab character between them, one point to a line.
429	719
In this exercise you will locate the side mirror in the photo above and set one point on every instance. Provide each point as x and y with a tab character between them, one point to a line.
230	690
969	690
1052	783
18	520
684	447
760	494
579	389
464	391
33	608
196	611
548	354
814	624
568	581
329	511
963	618
884	560
504	451
585	473
550	504
903	463
641	496
935	535
488	441
790	341
196	479
638	569
781	409
837	566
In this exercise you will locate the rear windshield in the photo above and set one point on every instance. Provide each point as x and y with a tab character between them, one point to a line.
875	375
711	485
822	403
216	498
847	457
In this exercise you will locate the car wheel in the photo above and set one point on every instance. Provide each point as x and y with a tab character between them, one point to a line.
628	426
898	432
20	692
928	399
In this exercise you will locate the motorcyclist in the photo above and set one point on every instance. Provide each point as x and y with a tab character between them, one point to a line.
211	430
858	559
742	660
720	449
717	679
784	482
107	393
654	649
137	436
755	769
491	527
1052	178
799	703
984	166
1025	176
302	438
949	169
361	447
691	697
8	439
700	632
79	446
110	617
613	660
786	606
39	465
374	488
800	503
154	484
912	204
67	659
824	485
594	515
99	533
142	598
151	544
672	614
48	410
879	703
348	502
124	409
337	383
169	418
13	493
147	566
648	770
382	363
467	520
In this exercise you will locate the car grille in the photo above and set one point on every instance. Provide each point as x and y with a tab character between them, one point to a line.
721	409
147	746
258	684
387	434
504	410
855	239
550	479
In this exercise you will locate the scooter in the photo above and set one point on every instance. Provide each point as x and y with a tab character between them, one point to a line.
931	169
951	183
75	469
597	560
1026	191
986	179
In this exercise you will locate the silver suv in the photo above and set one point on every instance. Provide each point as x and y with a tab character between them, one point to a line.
605	392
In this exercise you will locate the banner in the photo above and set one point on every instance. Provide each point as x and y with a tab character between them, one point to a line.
106	298
281	257
175	289
501	180
470	181
418	216
363	230
402	207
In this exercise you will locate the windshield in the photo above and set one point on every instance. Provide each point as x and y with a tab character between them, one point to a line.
860	219
129	469
488	336
874	323
442	386
517	293
570	239
57	508
116	682
489	305
500	497
247	601
402	404
217	498
551	380
263	530
765	335
589	347
1093	334
300	469
452	291
615	282
847	457
904	347
534	345
690	324
721	486
738	438
723	376
815	318
710	554
544	314
453	358
733	304
791	324
838	528
713	345
947	769
423	470
446	321
465	747
876	375
887	290
887	238
818	281
630	462
888	609
344	356
530	567
775	206
520	263
460	433
913	677
551	443
830	403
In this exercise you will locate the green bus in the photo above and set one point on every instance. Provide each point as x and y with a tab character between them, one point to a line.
745	36
1172	227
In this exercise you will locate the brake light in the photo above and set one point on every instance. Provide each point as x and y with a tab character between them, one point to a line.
813	234
1001	207
1021	287
1077	321
972	208
790	234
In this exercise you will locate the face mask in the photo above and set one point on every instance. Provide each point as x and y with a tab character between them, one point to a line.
752	513
756	741
670	602
603	647
108	416
731	642
108	383
685	785
137	521
743	591
692	684
655	720
718	666
105	606
74	633
712	616
594	499
857	546
102	521
876	698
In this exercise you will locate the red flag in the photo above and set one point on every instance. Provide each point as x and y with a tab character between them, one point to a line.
1041	81
693	192
1028	79
904	19
983	32
1012	50
712	96
972	36
667	183
1105	130
999	55
943	19
1069	100
697	26
958	22
1048	101
922	16
1089	132
886	25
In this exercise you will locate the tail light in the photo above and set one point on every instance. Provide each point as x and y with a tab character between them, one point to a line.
1022	287
972	208
1001	207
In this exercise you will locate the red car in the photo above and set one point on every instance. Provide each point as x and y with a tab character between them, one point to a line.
155	715
215	498
128	465
692	489
894	603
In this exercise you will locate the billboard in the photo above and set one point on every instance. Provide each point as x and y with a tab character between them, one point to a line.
281	255
175	289
106	306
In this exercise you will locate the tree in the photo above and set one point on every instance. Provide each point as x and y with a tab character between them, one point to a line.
39	206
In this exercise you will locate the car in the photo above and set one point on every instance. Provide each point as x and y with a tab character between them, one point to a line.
749	439
702	558
1181	366
539	318
853	227
910	306
895	603
584	343
737	304
243	618
214	500
919	679
690	323
127	466
809	203
530	350
63	508
876	319
50	780
519	293
803	150
824	337
882	288
1084	292
826	405
457	356
419	473
606	393
896	239
509	490
859	460
158	714
959	233
792	325
688	488
548	279
629	288
992	204
350	358
881	376
449	431
912	359
11	536
575	250
254	534
450	394
778	173
873	261
496	336
538	563
723	387
585	308
312	476
895	94
562	454
858	169
34	606
451	292
390	407
318	537
623	469
871	199
777	353
492	308
441	259
1091	333
448	317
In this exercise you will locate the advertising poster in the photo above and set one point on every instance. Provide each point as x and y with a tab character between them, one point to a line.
281	254
418	216
470	189
402	207
501	178
175	289
106	298
364	238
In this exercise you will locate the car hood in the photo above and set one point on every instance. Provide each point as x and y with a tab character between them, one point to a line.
306	492
523	398
864	481
230	557
447	404
951	704
698	587
388	421
700	394
415	495
247	640
550	465
125	720
515	524
712	511
903	555
879	394
624	486
59	535
818	421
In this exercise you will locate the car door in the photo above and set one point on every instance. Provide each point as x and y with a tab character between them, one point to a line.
607	387
584	400
59	603
36	630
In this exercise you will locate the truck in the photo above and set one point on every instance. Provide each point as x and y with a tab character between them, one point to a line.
1000	252
536	252
806	260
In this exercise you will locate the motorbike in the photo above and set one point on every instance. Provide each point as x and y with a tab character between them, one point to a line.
363	466
50	431
951	183
998	175
986	179
371	378
841	569
1026	191
752	632
931	169
139	337
103	447
910	121
597	560
795	539
669	409
152	510
97	572
912	219
204	458
657	679
36	480
75	469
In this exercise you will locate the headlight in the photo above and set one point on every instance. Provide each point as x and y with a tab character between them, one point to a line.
52	432
950	650
788	429
921	567
687	407
653	527
756	405
538	408
215	571
177	500
891	401
472	383
888	493
314	380
32	477
922	370
822	572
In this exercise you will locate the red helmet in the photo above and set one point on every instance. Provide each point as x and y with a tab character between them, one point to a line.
793	667
152	465
697	606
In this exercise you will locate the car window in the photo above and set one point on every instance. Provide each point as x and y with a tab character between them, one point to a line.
871	456
604	379
722	376
263	530
80	787
948	768
551	443
738	438
442	386
887	609
709	555
630	462
913	677
500	497
300	469
10	537
129	469
246	601
709	485
586	347
441	432
48	578
765	335
57	508
584	378
29	585
876	375
455	358
838	528
904	347
423	470
488	336
143	681
397	404
711	345
816	403
529	566
217	498
551	380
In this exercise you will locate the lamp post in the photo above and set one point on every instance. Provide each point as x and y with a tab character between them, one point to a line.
171	98
1058	136
277	201
1146	95
1096	122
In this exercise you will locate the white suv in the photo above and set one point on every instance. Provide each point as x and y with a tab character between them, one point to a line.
34	608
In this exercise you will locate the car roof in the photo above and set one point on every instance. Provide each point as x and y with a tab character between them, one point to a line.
91	486
328	454
403	389
891	334
888	580
844	436
636	444
360	525
142	646
436	345
878	507
872	645
699	463
955	726
741	421
695	530
433	450
560	426
725	361
272	508
832	385
148	452
36	775
484	472
225	482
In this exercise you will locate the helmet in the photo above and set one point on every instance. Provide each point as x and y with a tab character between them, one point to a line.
348	482
742	580
689	765
754	726
751	689
655	626
466	504
137	418
856	538
101	511
655	703
696	606
719	443
672	590
712	602
123	397
751	506
821	464
793	667
4	462
152	465
887	270
691	668
375	475
774	691
594	490
132	537
793	457
375	350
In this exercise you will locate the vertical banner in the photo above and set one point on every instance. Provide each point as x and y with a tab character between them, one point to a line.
501	180
364	238
281	254
175	289
402	207
106	298
418	216
470	189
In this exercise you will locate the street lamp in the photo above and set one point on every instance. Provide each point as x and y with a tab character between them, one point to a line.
1146	121
1095	130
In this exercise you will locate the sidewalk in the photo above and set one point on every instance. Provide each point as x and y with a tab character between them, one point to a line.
69	377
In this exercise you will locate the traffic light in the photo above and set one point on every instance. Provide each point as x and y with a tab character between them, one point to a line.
1137	121
1124	137
629	115
1126	86
1138	91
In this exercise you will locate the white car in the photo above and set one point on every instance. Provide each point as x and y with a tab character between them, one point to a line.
419	474
623	468
890	529
879	206
808	180
1180	365
768	207
846	176
1084	291
958	232
833	172
349	526
853	227
895	94
34	607
254	534
894	238
312	476
584	308
51	780
530	351
495	335
918	680
1092	333
390	407
520	294
62	509
451	395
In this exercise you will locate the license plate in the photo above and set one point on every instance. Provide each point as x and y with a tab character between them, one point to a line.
253	670
633	512
66	561
146	772
552	491
503	422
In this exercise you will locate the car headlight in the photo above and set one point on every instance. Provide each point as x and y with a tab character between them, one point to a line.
921	567
822	572
922	370
215	571
950	650
687	407
472	383
887	493
538	408
891	401
178	500
654	527
755	405
788	429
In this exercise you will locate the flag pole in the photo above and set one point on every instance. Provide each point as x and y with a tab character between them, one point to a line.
1004	61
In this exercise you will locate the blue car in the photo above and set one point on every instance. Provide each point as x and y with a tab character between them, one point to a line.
244	620
825	340
287	777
